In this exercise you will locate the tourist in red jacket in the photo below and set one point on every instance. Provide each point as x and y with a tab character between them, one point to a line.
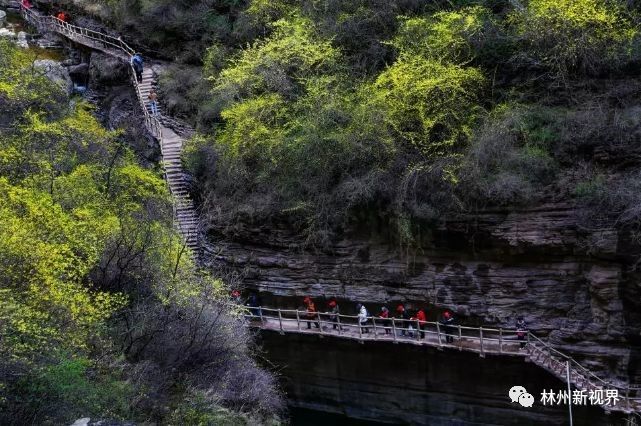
422	322
311	312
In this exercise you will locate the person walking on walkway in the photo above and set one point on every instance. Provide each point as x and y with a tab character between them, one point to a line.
137	63
362	317
521	331
153	103
384	315
422	322
448	321
254	305
334	312
311	312
404	316
26	4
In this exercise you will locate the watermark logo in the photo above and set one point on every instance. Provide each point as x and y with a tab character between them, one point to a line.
520	394
602	397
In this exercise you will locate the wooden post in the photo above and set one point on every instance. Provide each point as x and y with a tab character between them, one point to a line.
360	329
298	319
438	334
500	340
481	340
460	339
338	320
260	313
418	331
280	322
394	330
320	323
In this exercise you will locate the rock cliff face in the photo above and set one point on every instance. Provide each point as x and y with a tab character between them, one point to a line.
407	384
576	288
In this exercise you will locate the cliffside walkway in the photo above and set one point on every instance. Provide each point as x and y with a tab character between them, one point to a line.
481	340
171	144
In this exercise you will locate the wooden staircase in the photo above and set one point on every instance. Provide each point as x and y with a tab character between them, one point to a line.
171	144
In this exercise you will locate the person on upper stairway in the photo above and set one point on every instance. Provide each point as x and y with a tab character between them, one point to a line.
422	322
26	4
521	331
311	312
153	103
137	63
362	317
447	320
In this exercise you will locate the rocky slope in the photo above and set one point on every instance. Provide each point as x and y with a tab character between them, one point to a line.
574	287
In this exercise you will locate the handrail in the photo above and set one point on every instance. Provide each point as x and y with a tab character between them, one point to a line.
490	340
91	37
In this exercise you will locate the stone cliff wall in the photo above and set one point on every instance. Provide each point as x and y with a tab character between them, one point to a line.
575	288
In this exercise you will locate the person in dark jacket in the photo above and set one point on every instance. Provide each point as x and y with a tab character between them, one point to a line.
521	331
404	316
334	312
137	63
447	320
311	312
254	305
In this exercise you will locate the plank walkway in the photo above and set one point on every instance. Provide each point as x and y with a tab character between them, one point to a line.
480	340
171	144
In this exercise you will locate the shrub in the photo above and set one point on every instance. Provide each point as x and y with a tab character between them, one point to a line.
445	36
431	105
569	36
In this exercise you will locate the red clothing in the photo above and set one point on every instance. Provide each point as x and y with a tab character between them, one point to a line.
62	16
420	316
311	310
26	4
384	314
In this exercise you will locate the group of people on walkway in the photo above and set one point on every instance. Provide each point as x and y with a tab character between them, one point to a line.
408	324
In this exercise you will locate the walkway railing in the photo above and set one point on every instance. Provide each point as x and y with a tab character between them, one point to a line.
481	340
113	46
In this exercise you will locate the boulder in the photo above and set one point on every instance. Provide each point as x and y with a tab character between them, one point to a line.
22	40
55	72
106	69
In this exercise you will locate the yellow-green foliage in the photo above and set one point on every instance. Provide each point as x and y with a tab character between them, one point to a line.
430	104
570	35
253	126
46	254
445	36
21	83
292	52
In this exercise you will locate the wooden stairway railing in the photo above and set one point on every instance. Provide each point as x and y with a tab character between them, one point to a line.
116	47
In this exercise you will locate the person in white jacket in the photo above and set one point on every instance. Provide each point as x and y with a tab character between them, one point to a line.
362	317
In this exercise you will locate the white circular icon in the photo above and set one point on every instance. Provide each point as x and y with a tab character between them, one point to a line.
526	400
516	392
